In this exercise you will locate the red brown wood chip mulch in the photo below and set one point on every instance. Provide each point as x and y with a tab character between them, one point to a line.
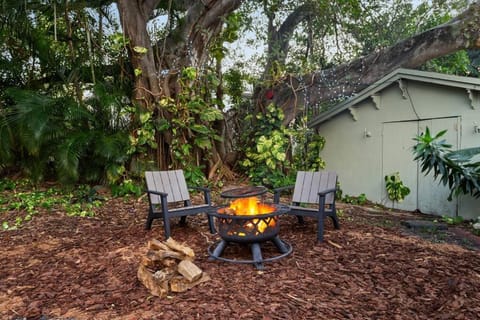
59	267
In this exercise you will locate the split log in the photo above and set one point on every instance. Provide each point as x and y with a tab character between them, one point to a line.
181	284
180	248
189	270
168	266
156	287
155	244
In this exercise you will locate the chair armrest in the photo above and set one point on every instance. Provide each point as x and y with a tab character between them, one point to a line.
206	193
199	188
322	198
158	193
325	192
163	198
278	191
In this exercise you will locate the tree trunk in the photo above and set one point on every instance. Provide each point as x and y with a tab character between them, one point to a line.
157	66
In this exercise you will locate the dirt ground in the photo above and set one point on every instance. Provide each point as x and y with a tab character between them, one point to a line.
59	267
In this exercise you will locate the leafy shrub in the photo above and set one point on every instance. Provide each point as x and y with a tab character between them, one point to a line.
395	189
48	135
274	153
361	199
127	187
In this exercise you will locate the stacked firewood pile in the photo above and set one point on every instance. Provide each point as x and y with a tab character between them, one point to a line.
168	267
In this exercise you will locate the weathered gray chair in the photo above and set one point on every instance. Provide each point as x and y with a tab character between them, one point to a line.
313	188
166	188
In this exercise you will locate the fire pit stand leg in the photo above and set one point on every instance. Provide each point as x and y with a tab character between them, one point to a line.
217	252
281	246
257	256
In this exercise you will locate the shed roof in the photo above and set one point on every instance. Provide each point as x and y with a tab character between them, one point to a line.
468	83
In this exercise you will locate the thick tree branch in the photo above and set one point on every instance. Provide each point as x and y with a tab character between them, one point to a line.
463	32
287	28
278	44
203	21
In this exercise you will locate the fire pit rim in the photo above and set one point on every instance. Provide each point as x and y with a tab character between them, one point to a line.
244	192
279	210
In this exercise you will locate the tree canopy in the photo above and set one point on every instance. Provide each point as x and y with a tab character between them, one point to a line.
129	85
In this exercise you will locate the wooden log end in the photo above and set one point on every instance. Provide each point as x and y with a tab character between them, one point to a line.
189	270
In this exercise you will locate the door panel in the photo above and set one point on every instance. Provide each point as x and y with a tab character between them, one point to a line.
397	156
432	195
426	194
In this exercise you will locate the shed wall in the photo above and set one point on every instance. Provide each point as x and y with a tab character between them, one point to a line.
358	147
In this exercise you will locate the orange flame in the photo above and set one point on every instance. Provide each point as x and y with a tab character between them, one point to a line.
251	207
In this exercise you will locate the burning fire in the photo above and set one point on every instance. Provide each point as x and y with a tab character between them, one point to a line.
251	207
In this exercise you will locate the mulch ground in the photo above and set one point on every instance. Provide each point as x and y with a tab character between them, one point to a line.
59	267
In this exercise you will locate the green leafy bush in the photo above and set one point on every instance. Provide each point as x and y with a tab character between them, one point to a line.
395	189
46	135
361	199
26	202
273	153
126	187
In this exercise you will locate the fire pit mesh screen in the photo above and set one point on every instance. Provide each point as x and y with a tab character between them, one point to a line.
247	229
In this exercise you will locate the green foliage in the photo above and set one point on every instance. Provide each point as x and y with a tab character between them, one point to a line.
233	83
453	220
7	184
265	153
274	153
306	147
58	136
457	63
395	189
361	199
126	187
26	202
192	128
455	169
59	97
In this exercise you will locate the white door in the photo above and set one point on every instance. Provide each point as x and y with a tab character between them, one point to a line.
426	194
398	157
432	194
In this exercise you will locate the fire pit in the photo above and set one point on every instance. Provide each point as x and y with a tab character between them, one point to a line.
248	220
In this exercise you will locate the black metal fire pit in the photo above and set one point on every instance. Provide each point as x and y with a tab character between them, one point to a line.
248	228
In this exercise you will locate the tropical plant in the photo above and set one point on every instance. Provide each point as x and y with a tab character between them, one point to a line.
266	145
455	169
58	136
395	189
306	146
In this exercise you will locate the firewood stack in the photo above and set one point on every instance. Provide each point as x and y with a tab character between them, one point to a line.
168	267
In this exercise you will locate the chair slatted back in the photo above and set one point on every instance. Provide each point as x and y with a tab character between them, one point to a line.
171	182
309	184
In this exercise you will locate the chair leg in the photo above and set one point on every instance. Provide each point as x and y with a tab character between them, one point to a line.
336	224
320	224
166	226
183	220
148	224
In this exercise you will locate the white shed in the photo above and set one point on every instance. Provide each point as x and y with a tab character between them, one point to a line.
371	135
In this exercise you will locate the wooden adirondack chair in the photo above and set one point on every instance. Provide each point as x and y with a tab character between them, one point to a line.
165	188
313	188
